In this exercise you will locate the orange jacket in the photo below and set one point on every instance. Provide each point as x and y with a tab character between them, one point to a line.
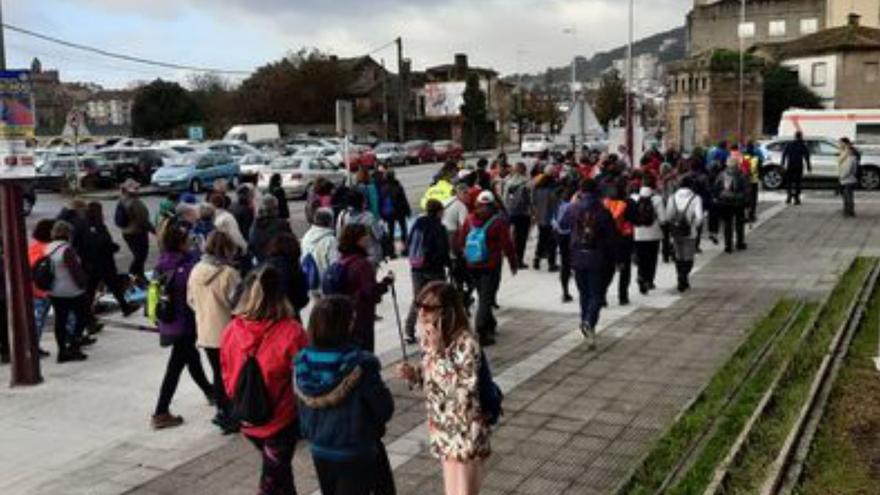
618	211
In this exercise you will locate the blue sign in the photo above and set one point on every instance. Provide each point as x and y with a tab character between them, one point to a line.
196	133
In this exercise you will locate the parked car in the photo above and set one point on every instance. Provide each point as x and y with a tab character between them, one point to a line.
420	151
137	163
823	158
237	150
94	172
390	154
358	157
535	144
298	173
197	171
448	150
251	165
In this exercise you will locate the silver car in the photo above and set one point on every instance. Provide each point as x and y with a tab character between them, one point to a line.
823	158
390	154
298	174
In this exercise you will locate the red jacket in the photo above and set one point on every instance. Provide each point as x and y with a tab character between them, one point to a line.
498	240
281	342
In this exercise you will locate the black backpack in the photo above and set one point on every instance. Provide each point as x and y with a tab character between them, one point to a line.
251	403
490	393
645	213
681	226
44	271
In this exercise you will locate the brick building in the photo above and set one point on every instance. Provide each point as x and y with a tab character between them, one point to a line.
703	98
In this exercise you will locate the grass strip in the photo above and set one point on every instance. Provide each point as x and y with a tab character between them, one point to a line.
736	416
845	454
687	429
766	438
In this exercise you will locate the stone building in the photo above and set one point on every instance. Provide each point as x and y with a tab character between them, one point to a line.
716	23
841	65
703	99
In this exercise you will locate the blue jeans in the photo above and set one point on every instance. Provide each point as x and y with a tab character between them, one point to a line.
41	311
591	288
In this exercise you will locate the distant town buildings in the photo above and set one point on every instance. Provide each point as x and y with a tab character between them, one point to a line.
109	109
716	23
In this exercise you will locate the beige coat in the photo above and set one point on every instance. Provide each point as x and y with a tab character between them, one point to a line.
210	290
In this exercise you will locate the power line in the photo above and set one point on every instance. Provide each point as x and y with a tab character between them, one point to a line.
386	45
120	56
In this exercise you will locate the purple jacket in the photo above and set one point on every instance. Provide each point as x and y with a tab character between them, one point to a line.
184	324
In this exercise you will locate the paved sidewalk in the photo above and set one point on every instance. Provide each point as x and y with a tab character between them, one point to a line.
576	421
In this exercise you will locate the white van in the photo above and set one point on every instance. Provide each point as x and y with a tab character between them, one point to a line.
253	133
861	126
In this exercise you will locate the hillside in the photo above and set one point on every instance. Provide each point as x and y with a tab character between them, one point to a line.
667	51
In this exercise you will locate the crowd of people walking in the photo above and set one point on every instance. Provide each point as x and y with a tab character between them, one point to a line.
233	280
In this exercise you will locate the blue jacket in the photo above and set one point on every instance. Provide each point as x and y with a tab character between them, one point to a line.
343	402
606	233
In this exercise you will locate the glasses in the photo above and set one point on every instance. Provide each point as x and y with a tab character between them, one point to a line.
429	307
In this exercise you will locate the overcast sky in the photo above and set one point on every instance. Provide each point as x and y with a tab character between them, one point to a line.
506	35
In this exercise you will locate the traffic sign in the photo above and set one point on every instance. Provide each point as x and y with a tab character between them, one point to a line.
75	118
196	133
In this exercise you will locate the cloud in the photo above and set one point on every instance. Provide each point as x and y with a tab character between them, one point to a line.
249	33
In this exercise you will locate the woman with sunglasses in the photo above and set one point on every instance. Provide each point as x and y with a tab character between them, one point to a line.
457	429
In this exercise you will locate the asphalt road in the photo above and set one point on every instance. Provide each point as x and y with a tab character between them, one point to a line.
415	179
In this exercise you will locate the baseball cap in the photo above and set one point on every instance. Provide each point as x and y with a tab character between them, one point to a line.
485	198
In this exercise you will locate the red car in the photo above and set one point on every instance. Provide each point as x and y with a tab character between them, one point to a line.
420	151
358	157
448	150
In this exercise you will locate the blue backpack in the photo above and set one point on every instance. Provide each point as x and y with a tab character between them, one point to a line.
333	281
311	272
491	395
416	246
476	248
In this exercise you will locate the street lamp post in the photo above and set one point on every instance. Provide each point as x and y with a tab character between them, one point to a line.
630	147
573	31
742	58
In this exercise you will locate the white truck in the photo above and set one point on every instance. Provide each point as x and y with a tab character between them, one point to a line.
862	126
253	133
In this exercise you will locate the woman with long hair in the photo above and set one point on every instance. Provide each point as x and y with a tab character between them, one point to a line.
457	428
264	327
179	330
283	253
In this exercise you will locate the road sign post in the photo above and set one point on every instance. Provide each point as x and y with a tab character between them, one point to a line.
17	123
75	121
345	128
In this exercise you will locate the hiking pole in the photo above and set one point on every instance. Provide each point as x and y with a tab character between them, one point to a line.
397	316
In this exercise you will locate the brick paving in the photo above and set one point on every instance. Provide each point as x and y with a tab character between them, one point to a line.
578	421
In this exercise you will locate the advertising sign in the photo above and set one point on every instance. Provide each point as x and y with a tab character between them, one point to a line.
444	99
17	124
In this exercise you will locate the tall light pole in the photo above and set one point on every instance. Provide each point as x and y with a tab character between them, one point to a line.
742	59
630	146
573	32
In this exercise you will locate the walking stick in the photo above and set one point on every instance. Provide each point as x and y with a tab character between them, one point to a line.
399	326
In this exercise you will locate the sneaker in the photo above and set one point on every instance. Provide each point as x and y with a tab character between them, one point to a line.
553	269
86	340
651	286
162	421
589	333
536	264
714	239
566	298
624	301
43	353
523	266
96	328
70	355
129	309
741	247
643	288
495	306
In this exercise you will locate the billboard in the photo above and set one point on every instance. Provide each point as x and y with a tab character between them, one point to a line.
444	99
17	124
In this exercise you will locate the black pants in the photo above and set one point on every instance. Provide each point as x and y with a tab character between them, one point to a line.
714	219
849	201
546	245
391	222
276	476
220	396
183	354
564	242
623	260
591	291
63	307
139	244
521	225
733	218
793	178
647	253
111	282
4	328
355	477
668	252
753	201
486	282
384	476
683	270
419	281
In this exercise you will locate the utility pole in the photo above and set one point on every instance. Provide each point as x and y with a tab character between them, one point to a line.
742	59
630	145
384	101
402	90
19	291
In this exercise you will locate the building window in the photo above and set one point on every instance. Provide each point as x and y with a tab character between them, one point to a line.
819	75
868	133
809	26
872	72
746	30
777	28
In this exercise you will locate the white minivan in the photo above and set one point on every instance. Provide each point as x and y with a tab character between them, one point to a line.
535	144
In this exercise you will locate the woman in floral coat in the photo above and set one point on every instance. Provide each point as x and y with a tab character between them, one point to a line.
457	429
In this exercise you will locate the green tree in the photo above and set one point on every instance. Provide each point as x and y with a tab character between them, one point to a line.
783	90
474	109
216	99
610	99
161	109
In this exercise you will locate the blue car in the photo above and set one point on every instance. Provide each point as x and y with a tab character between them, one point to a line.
196	172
